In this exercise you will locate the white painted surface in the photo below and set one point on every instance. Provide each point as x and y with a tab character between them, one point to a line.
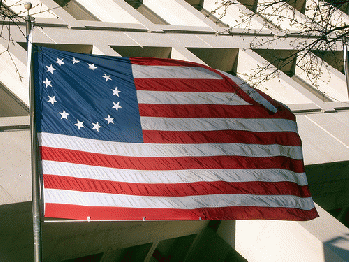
318	11
325	139
13	75
280	88
276	241
39	10
236	15
108	11
329	80
173	12
290	241
283	15
15	171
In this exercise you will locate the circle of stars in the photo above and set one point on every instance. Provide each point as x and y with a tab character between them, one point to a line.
65	115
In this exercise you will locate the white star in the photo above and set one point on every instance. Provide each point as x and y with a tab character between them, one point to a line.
109	119
107	78
96	126
92	66
64	115
116	92
75	60
52	100
116	105
79	124
60	61
47	83
50	69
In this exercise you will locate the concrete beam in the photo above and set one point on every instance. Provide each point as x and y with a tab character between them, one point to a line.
320	240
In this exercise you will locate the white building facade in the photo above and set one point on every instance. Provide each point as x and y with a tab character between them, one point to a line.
185	30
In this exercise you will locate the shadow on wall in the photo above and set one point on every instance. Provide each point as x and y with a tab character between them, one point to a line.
334	249
86	241
16	236
328	184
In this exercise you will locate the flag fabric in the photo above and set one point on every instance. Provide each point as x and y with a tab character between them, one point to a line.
161	139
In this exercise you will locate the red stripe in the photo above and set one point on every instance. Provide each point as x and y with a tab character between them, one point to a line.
222	136
193	85
174	190
227	84
219	213
183	85
208	111
171	163
162	62
280	107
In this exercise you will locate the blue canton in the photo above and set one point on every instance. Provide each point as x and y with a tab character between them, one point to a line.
86	96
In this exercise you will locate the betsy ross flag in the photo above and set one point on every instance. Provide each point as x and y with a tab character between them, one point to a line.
160	139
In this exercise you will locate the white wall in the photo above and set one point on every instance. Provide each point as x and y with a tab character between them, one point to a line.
323	239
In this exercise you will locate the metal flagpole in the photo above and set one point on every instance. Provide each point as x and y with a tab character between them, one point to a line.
345	56
34	148
346	62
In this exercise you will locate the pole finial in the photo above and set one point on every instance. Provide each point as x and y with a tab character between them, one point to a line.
28	6
28	19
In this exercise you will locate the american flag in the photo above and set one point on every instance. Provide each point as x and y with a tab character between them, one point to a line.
161	139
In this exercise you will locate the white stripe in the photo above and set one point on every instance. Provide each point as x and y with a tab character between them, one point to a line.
251	92
171	176
167	150
212	124
189	202
149	71
155	97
